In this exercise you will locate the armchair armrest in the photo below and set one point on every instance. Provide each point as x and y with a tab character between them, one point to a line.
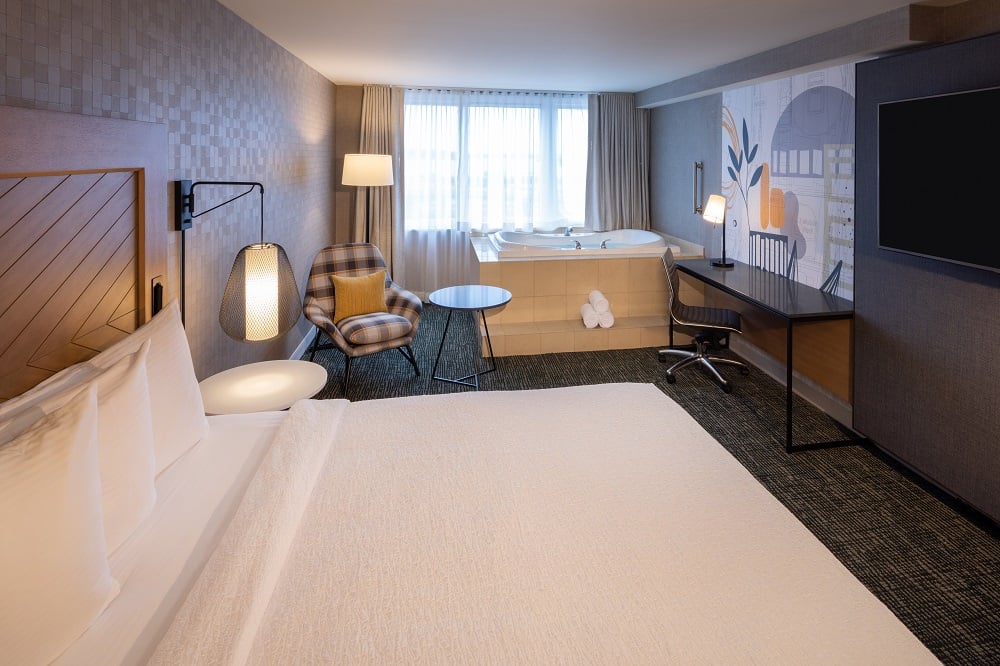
404	303
318	316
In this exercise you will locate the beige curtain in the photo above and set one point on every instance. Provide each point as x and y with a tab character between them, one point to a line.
618	164
382	134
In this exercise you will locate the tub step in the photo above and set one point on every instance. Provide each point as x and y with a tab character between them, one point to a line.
546	337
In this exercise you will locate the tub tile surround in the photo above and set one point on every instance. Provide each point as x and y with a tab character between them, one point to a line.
547	293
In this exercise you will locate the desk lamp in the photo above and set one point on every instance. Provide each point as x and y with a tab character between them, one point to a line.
715	212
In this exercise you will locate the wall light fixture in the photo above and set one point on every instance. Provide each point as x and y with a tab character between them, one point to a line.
261	300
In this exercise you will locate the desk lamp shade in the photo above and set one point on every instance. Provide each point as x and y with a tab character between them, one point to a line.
261	299
715	209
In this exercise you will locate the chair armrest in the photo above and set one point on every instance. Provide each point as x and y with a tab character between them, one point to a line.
404	303
318	316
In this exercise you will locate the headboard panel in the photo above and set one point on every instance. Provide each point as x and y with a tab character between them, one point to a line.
83	227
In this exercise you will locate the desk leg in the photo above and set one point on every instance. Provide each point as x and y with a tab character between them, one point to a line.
788	387
790	445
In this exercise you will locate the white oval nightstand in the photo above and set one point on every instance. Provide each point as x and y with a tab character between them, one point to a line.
261	387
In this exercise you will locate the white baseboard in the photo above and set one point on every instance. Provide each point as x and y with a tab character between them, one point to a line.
837	408
303	346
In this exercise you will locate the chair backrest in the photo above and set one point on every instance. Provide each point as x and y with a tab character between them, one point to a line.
673	281
833	280
770	252
348	259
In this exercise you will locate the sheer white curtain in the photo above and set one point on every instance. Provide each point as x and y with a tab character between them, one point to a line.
479	161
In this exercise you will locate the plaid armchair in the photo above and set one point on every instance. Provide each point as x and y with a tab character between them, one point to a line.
366	333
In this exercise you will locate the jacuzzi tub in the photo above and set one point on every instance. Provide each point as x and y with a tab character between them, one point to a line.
583	243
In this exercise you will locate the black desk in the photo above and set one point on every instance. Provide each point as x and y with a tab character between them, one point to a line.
470	298
791	301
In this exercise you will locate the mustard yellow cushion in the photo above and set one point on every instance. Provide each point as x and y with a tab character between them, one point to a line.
358	295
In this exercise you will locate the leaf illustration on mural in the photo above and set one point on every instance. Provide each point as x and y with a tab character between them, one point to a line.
741	154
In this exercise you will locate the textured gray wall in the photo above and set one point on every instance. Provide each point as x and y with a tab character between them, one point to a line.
236	106
681	134
926	352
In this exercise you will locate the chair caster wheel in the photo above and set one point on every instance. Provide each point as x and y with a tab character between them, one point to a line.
744	371
671	379
727	388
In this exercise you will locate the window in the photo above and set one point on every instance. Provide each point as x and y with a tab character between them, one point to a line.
483	161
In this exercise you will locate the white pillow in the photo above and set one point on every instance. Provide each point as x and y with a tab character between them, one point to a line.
21	412
54	576
125	447
124	434
178	413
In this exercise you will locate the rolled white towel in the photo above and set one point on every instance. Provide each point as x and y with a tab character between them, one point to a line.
605	319
599	302
590	317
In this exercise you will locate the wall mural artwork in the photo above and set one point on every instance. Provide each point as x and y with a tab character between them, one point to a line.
788	176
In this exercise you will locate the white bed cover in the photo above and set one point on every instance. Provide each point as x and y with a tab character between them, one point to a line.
196	498
581	525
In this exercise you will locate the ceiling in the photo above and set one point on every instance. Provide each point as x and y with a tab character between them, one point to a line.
579	45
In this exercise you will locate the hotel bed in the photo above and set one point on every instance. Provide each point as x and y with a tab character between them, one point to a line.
413	530
420	529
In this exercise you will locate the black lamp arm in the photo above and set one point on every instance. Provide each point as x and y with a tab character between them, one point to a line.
184	213
184	190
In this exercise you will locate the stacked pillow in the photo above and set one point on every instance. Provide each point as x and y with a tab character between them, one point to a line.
78	457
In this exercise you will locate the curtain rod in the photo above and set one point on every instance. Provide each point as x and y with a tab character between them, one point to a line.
496	90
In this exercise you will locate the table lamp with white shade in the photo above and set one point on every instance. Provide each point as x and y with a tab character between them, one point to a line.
715	212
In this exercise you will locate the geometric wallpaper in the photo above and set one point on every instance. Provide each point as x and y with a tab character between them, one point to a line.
236	106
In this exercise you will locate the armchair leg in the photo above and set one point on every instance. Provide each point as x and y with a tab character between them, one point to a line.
347	373
407	353
315	344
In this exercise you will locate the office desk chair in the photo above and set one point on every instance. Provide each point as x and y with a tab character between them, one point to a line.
708	326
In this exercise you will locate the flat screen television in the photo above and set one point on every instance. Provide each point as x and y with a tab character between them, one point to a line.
939	177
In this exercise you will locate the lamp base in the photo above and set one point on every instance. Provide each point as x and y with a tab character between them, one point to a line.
722	263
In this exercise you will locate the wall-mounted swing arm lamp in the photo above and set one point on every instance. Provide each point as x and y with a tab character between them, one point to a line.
261	300
367	170
715	212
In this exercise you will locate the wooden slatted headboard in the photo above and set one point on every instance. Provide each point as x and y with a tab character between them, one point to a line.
83	235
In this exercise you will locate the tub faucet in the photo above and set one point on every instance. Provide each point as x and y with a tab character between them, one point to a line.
604	244
578	246
569	231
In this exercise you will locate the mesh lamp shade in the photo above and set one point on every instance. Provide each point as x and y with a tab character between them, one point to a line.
261	300
369	170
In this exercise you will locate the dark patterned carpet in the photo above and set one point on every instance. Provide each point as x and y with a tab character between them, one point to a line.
935	565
